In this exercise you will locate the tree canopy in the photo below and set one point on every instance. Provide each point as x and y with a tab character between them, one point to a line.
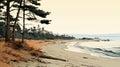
31	8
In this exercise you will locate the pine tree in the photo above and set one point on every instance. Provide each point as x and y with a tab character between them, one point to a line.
30	6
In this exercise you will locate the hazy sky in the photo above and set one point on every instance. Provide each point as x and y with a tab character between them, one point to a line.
83	16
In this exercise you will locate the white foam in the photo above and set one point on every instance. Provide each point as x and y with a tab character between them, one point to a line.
71	47
106	45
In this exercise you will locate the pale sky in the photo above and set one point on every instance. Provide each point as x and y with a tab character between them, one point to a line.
83	16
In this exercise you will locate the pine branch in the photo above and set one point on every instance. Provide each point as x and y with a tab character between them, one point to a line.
45	21
36	11
35	2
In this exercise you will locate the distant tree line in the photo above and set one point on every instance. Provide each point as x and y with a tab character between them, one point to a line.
34	33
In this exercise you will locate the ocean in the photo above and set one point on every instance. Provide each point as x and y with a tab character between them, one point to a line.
101	36
110	49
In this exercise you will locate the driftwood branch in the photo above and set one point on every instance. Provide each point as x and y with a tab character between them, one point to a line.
53	58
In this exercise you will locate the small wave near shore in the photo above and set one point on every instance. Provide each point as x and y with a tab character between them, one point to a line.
110	49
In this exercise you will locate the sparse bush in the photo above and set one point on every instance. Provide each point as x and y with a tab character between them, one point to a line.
16	45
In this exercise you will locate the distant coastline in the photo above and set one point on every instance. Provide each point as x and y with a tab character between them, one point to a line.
100	36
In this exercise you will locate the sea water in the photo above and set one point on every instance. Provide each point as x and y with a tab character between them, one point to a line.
101	36
105	48
109	49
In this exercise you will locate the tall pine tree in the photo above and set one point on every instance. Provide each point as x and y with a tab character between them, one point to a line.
33	12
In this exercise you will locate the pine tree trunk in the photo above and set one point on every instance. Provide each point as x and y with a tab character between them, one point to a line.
7	35
23	21
13	38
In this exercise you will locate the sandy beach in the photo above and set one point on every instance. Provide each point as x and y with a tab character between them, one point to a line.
52	53
75	59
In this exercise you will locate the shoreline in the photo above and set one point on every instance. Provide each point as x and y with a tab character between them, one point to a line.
75	59
75	48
